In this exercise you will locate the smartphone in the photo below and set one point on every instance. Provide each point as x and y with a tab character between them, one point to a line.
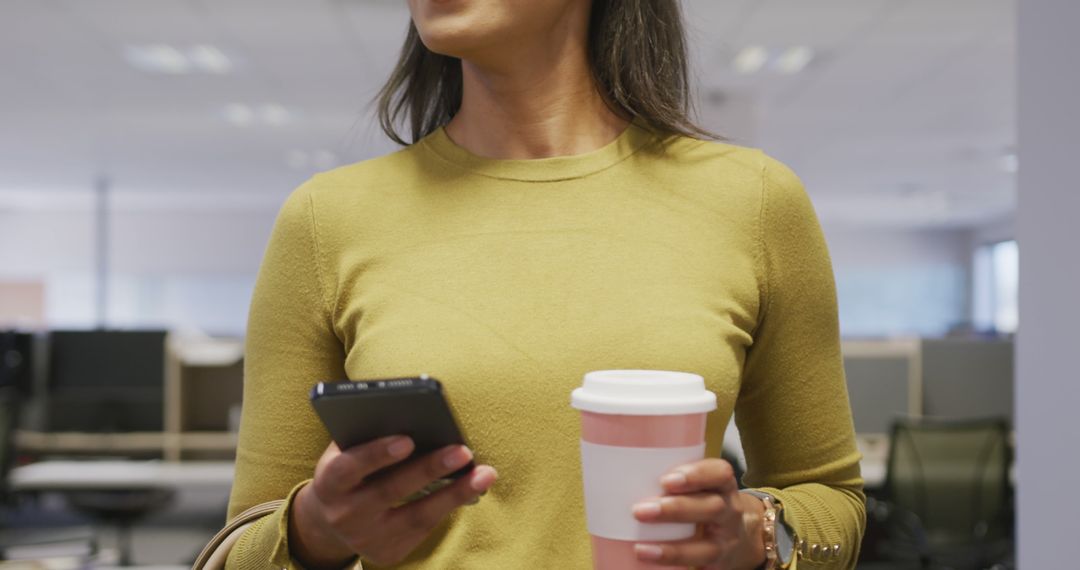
356	412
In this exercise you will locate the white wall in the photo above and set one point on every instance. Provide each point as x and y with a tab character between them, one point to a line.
872	246
189	261
895	282
1048	381
192	260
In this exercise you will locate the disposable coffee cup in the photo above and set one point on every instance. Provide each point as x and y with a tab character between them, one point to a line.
636	425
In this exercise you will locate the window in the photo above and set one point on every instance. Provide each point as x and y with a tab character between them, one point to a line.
996	280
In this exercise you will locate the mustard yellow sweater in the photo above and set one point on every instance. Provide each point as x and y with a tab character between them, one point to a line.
510	279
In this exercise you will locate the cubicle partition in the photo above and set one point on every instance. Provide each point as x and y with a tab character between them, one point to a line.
204	386
941	378
884	382
968	379
950	379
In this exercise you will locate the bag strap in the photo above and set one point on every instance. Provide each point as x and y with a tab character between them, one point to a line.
227	537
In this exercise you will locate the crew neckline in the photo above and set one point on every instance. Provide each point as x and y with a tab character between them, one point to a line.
631	140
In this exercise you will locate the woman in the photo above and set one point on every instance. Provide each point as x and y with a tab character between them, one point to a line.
556	214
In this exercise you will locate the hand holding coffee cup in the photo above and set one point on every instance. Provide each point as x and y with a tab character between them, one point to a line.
705	493
651	498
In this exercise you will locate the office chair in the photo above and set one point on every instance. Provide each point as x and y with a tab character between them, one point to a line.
947	500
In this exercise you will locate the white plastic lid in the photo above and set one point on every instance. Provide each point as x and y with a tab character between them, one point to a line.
643	393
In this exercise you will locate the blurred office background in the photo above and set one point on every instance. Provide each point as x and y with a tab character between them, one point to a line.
146	146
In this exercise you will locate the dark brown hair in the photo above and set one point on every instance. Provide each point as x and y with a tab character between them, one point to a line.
637	54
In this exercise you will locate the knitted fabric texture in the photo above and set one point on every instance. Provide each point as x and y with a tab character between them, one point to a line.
508	280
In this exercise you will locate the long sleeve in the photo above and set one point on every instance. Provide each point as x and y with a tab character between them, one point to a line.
793	376
508	280
291	345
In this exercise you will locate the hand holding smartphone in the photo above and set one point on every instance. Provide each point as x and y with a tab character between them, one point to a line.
359	412
359	500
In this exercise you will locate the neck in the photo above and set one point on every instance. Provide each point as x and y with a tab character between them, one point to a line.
540	105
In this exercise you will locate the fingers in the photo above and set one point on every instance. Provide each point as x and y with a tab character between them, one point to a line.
689	553
386	492
357	510
339	472
421	516
693	508
703	493
711	474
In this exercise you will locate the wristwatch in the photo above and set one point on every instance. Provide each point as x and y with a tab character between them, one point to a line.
785	538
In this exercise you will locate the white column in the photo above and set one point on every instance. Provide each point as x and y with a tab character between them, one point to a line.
1048	344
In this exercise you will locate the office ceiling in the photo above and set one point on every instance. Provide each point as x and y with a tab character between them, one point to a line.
905	117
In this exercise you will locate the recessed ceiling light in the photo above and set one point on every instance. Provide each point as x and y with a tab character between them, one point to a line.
751	59
794	59
157	58
274	115
270	115
209	59
170	60
239	114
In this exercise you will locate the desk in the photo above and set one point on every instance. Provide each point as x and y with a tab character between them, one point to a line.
120	475
875	458
120	491
169	444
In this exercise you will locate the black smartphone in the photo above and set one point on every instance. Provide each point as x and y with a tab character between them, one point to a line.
356	412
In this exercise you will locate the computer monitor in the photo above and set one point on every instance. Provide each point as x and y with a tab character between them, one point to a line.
16	360
106	381
16	351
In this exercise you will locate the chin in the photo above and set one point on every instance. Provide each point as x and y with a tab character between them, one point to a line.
456	28
451	41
